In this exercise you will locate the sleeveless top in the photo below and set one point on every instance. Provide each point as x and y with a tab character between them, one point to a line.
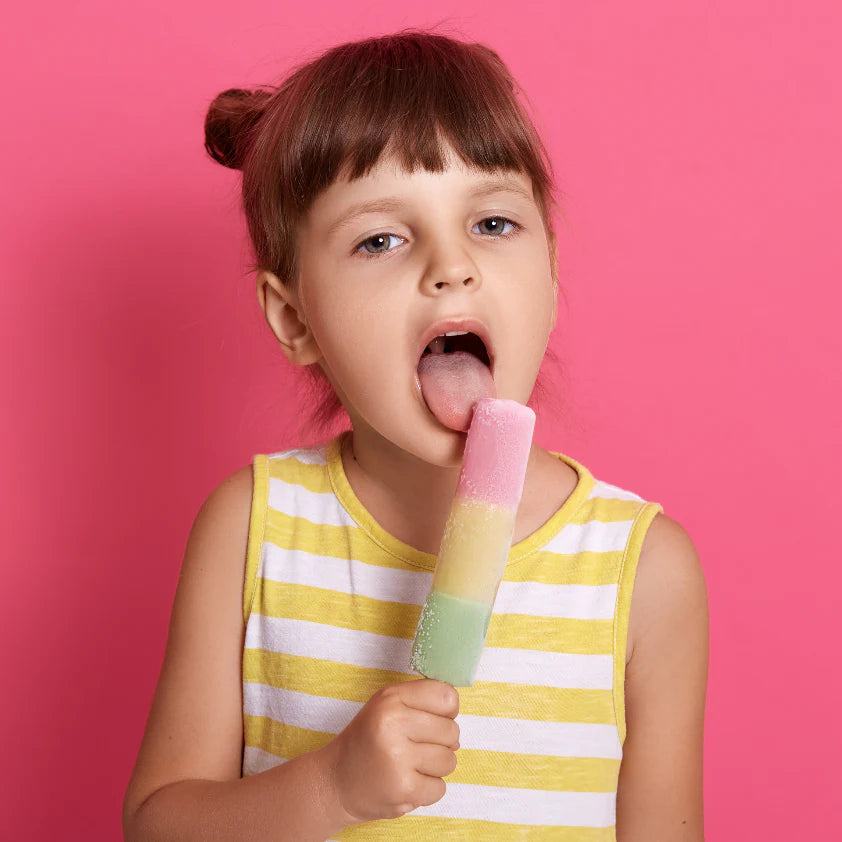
331	602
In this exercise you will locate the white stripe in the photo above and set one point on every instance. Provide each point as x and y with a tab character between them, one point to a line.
329	643
594	536
298	501
524	806
350	577
305	455
480	733
257	760
611	492
525	736
364	649
316	713
581	602
546	669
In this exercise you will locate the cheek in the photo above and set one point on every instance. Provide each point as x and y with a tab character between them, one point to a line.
537	315
356	341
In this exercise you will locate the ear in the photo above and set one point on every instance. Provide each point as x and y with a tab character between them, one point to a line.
286	317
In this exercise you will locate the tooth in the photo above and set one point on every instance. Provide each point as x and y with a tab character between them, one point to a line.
437	345
457	333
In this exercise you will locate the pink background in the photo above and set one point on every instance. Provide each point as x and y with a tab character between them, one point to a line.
697	145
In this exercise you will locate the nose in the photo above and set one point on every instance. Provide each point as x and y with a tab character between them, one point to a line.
449	270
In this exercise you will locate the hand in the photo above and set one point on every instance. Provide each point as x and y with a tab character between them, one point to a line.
392	756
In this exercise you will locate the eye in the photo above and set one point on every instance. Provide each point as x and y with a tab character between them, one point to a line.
496	226
380	241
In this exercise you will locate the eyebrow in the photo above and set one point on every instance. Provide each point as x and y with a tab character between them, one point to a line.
387	204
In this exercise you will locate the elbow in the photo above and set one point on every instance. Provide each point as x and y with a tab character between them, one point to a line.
135	829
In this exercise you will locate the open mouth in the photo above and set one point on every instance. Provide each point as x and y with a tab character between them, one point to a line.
455	370
459	341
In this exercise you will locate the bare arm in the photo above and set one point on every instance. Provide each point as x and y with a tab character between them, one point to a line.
293	801
659	796
186	782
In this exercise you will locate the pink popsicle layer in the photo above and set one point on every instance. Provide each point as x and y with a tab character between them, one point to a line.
496	452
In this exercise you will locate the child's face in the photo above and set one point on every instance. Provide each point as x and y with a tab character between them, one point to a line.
369	300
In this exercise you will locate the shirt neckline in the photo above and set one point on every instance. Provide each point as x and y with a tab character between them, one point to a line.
416	558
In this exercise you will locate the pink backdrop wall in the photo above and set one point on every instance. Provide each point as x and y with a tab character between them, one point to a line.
697	145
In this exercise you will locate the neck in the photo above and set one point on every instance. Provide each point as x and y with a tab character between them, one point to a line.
409	497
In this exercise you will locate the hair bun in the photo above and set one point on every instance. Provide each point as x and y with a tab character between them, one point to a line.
230	123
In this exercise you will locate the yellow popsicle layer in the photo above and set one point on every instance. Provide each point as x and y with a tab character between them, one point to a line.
474	549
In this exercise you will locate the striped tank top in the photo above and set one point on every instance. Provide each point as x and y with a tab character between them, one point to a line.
331	602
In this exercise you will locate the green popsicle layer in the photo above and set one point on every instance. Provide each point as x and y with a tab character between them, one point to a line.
449	640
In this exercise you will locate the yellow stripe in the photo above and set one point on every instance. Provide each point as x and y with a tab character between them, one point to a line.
606	510
535	771
319	605
398	619
298	533
583	568
316	677
257	528
431	827
286	741
352	683
529	701
312	477
645	516
550	634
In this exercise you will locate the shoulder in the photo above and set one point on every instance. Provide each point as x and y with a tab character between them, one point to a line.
219	536
670	593
230	500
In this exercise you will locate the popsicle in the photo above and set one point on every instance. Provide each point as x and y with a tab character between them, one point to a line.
475	545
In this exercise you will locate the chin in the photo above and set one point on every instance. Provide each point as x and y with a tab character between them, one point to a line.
443	447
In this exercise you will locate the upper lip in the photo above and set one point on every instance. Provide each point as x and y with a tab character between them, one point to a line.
466	323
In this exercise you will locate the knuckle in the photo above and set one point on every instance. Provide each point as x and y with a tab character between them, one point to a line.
389	691
384	696
392	754
390	722
386	746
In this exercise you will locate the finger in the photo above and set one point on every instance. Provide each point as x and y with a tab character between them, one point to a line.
428	790
424	727
436	761
431	695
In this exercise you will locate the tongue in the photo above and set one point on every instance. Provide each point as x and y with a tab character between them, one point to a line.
452	384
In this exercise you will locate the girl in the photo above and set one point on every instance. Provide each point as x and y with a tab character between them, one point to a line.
400	203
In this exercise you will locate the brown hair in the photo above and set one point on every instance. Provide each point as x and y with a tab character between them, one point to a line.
337	114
